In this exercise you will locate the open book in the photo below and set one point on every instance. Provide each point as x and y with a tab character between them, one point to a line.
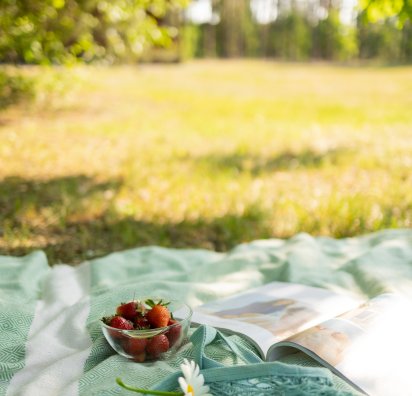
357	340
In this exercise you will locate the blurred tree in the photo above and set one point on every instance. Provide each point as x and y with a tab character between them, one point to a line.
379	10
333	40
379	40
60	31
14	88
385	30
236	32
290	37
191	41
406	42
384	40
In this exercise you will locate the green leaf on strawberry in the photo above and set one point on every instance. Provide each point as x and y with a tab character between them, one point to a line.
151	303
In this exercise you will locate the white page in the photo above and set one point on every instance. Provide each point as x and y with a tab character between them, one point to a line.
370	346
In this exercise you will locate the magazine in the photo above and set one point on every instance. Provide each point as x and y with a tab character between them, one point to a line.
348	335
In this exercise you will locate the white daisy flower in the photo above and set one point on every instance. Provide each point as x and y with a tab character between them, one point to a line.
192	383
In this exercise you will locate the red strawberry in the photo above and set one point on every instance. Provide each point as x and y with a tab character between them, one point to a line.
157	345
129	310
135	346
174	332
140	358
141	322
119	322
158	316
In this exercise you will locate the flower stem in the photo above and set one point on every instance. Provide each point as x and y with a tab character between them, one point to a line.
147	391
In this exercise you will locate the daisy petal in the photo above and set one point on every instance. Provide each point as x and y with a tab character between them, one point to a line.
193	382
183	384
186	371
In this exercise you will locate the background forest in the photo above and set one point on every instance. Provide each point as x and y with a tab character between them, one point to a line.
338	30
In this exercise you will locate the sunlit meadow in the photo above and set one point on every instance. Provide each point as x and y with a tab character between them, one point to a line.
205	154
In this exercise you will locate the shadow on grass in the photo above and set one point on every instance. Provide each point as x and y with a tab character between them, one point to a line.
4	121
54	215
18	195
286	160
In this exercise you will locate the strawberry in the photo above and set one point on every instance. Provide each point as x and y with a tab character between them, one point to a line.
159	315
118	322
174	332
130	309
157	345
135	346
140	357
141	323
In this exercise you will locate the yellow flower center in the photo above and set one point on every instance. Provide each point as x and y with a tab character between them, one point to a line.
190	390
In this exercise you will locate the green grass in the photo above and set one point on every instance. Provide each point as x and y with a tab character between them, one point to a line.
206	154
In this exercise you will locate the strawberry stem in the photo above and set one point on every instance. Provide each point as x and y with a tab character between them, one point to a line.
147	391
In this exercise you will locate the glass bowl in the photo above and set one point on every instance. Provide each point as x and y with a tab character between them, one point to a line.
154	343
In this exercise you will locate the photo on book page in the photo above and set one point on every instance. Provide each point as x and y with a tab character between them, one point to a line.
282	317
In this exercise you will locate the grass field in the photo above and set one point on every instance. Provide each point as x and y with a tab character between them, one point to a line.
206	154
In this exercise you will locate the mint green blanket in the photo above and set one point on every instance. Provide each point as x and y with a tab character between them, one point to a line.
50	338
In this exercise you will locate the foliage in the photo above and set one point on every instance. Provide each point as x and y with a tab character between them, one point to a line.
379	10
63	31
197	155
385	41
235	33
68	31
385	30
290	37
190	42
14	88
50	90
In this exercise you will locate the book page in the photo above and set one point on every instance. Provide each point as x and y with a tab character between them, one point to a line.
273	312
370	346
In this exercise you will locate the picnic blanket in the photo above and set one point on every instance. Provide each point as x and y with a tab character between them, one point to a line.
50	337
